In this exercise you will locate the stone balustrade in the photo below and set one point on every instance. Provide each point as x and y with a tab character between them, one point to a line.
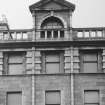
89	33
53	35
16	35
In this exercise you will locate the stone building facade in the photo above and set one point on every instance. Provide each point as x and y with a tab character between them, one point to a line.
53	63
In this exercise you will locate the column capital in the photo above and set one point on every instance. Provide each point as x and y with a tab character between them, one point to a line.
70	13
33	14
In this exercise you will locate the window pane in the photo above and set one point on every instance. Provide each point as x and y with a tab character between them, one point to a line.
15	69
49	34
25	36
90	67
80	34
19	35
13	35
42	34
55	34
15	59
92	104
62	34
53	98
91	97
90	57
14	62
6	36
1	36
99	34
52	67
14	99
86	34
52	58
93	34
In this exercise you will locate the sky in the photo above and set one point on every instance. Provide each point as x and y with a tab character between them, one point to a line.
88	13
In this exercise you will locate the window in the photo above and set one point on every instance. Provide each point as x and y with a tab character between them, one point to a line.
52	62
91	97
42	34
55	34
91	61
62	34
14	63
52	28
14	98
52	98
49	34
52	23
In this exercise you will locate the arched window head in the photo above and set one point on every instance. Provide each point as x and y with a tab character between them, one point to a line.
52	28
52	23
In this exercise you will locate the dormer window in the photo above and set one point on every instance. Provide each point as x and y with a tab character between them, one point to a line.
52	28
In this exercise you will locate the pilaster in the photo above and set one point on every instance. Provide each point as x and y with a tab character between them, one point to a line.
70	25
1	63
103	60
76	61
67	64
29	62
37	62
34	23
70	18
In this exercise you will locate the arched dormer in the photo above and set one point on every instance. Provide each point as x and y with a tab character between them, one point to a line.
52	27
60	10
52	23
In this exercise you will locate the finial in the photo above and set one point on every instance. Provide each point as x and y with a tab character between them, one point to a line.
4	19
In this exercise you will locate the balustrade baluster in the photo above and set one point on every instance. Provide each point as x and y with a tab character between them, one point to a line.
96	33
89	33
103	33
83	32
58	34
45	34
52	34
21	35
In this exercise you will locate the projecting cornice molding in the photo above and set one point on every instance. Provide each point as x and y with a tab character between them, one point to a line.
42	5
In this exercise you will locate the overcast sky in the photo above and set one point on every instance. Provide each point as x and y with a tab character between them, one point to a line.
88	13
